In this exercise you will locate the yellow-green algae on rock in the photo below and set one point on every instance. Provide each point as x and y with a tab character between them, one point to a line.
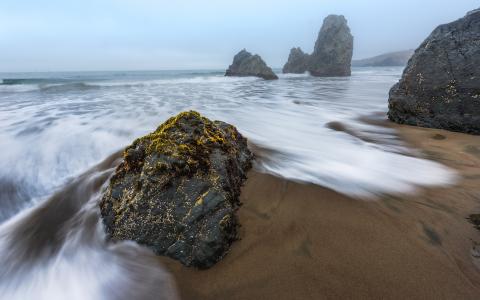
177	189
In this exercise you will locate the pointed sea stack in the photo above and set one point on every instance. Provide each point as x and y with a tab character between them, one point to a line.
246	64
440	87
333	51
297	62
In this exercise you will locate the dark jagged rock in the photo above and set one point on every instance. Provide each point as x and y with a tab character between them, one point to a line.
177	190
246	64
297	62
440	86
475	220
332	55
392	59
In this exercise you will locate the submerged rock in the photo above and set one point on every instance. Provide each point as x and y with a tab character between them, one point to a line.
332	55
475	220
177	190
440	86
246	64
297	62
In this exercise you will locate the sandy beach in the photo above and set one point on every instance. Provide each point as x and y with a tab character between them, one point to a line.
301	241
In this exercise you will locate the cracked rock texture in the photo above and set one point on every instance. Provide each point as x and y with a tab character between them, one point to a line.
440	86
177	190
332	55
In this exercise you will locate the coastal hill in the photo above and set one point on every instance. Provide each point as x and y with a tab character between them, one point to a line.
399	58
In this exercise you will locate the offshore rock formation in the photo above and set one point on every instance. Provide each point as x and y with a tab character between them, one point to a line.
332	55
392	59
440	86
246	64
177	190
297	62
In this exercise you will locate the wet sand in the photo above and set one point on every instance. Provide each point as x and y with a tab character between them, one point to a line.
301	241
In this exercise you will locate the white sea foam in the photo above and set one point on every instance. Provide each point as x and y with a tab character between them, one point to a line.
47	137
339	160
58	250
51	132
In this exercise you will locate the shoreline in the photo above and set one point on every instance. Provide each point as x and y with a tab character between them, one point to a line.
302	241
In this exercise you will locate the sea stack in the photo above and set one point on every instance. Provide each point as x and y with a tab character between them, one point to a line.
177	190
246	64
297	62
440	87
332	55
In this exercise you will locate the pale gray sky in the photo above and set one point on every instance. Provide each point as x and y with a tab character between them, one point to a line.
53	35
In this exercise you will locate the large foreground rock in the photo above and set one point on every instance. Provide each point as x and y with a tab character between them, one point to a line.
177	190
440	87
332	55
246	64
297	62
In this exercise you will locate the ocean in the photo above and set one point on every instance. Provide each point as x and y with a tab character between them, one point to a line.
57	128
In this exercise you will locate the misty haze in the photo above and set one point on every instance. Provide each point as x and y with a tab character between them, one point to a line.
239	149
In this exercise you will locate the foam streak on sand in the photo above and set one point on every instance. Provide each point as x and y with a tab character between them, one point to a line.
302	241
378	163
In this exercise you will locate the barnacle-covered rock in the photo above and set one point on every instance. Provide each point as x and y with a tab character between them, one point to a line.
440	87
177	190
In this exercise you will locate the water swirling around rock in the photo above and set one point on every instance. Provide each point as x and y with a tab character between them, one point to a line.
51	131
58	250
43	128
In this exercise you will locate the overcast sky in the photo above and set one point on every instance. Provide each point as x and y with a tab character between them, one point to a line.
53	35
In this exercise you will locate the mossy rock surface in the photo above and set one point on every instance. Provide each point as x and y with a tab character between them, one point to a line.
177	190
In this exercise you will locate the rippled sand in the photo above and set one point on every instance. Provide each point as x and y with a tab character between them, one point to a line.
303	241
